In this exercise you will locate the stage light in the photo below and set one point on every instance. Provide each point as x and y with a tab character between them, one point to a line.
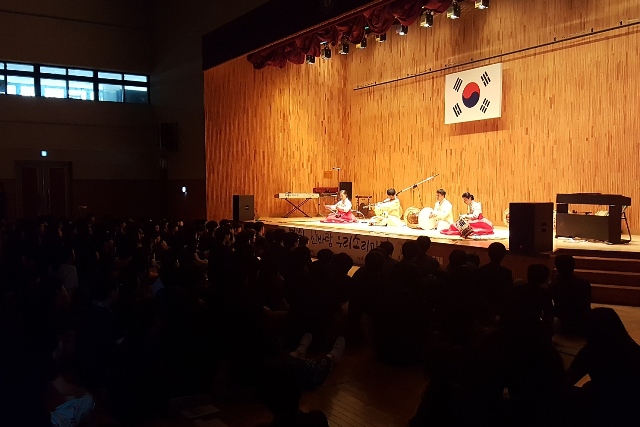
44	153
381	38
454	11
482	4
403	30
310	59
426	20
362	44
343	47
184	190
325	52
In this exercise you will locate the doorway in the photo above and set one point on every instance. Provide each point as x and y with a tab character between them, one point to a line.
43	188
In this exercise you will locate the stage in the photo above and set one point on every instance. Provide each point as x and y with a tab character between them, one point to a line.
614	270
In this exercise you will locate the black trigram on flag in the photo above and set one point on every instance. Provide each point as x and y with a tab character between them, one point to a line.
458	84
457	110
485	105
485	79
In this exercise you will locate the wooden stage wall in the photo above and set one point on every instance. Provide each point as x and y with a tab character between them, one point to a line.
569	124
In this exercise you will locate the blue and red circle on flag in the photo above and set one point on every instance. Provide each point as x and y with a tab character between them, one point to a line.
471	95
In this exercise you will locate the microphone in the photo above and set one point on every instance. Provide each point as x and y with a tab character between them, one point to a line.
336	169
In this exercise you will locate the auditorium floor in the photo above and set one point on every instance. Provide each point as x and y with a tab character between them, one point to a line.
361	392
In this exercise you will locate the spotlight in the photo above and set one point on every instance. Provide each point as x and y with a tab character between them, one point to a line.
402	30
426	20
44	153
363	43
482	4
381	38
310	59
454	11
184	190
325	52
343	47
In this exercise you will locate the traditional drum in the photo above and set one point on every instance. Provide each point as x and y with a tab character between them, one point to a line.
424	220
411	217
464	228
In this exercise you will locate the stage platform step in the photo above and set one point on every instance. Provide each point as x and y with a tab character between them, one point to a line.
617	295
628	265
617	278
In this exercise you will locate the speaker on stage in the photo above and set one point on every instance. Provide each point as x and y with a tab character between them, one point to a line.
348	187
530	227
243	208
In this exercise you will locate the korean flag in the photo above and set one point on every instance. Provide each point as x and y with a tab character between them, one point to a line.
473	95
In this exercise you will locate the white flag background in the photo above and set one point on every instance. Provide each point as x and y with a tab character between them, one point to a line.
473	95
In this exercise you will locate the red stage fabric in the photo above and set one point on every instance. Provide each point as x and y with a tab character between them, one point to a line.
379	19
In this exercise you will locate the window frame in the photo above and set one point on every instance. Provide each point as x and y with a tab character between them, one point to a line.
37	75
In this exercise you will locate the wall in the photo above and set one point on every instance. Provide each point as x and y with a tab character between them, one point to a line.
178	87
113	147
568	120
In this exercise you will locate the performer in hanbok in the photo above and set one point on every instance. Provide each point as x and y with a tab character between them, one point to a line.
472	222
341	211
389	211
441	217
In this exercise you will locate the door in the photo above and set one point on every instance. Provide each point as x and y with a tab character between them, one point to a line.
43	188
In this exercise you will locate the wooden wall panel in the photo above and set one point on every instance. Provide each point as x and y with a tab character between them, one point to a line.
569	123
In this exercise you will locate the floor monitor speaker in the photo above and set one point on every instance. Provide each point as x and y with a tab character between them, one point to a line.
531	227
243	207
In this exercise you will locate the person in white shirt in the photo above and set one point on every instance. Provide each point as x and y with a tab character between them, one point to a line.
442	216
389	211
474	222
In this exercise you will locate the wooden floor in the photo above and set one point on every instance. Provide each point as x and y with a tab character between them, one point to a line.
360	392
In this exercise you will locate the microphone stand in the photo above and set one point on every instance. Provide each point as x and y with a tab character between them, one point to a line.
416	184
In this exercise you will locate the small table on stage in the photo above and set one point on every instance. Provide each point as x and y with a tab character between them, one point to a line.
305	196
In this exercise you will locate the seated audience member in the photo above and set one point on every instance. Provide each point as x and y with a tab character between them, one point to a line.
494	280
64	269
425	262
389	262
284	379
571	297
611	358
532	300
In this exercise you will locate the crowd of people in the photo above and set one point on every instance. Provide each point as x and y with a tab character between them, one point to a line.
138	312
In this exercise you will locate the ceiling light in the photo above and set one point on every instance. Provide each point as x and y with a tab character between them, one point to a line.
426	20
454	11
362	44
402	30
343	47
381	38
325	52
482	4
310	59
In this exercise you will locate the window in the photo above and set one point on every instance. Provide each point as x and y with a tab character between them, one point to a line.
111	93
81	90
23	86
53	88
136	95
48	81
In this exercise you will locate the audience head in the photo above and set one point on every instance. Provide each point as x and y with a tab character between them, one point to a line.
374	261
223	234
538	274
211	226
259	227
410	250
424	242
565	264
325	256
473	260
386	248
497	251
290	240
341	263
304	241
457	258
606	329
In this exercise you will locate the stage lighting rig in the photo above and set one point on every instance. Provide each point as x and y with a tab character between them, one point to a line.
454	11
426	20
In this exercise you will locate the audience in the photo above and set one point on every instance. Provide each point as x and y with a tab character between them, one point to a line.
139	312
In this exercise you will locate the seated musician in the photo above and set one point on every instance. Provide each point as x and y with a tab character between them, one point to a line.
473	222
441	217
389	211
341	211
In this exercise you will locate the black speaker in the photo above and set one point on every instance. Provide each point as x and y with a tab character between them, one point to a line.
169	137
348	187
530	227
243	208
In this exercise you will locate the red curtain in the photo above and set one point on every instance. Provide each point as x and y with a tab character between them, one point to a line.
379	20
